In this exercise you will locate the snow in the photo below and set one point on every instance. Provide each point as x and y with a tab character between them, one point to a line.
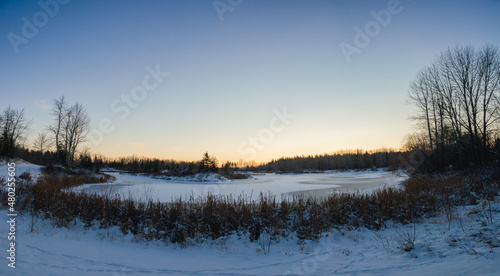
74	251
469	244
21	167
199	177
282	186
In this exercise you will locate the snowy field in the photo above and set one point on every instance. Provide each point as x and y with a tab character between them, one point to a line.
21	167
462	249
468	244
282	186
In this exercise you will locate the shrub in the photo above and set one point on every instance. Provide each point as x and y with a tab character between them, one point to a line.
264	220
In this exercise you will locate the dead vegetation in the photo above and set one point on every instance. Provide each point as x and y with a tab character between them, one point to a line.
265	220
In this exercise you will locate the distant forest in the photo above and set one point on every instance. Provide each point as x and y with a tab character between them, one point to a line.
342	160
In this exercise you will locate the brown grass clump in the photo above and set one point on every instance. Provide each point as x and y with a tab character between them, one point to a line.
215	216
65	182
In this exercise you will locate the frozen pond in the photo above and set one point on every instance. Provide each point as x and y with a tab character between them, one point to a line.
282	186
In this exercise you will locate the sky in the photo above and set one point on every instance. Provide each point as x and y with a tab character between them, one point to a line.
241	79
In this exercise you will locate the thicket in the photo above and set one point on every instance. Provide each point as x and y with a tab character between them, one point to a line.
135	165
457	101
212	217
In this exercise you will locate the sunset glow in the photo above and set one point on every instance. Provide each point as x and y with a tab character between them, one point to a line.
173	79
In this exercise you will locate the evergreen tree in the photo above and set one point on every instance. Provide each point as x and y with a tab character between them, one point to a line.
208	164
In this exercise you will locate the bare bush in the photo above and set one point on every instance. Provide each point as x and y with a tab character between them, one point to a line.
406	237
264	220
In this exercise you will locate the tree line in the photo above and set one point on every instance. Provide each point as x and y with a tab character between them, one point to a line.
457	101
134	164
341	160
13	126
70	127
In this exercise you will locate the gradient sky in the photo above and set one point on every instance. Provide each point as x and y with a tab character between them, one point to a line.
227	76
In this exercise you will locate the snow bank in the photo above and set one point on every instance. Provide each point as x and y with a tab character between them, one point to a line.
21	167
199	177
465	246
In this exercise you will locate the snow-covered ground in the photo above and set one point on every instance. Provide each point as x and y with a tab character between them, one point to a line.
464	247
463	243
20	167
282	186
198	177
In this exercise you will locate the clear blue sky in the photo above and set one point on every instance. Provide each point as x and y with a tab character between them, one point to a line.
228	73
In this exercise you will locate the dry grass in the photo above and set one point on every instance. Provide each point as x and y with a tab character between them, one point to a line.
264	220
65	182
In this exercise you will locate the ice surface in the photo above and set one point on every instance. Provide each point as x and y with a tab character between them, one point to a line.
282	186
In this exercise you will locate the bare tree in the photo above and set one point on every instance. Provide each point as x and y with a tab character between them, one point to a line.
13	126
421	95
42	142
70	129
463	70
415	141
443	85
76	129
59	114
489	89
458	99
